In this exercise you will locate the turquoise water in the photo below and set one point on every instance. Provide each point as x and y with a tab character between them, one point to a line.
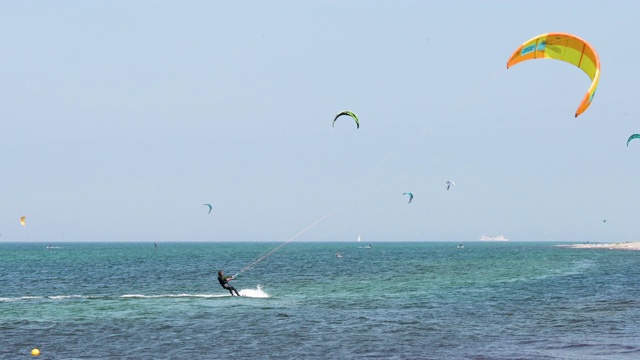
393	301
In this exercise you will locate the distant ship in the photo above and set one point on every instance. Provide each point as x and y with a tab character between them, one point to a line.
493	238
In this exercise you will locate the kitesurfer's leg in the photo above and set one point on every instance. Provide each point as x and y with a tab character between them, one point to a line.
229	287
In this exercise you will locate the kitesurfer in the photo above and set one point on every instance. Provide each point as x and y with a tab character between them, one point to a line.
224	281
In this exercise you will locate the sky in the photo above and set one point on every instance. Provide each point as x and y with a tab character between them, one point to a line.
120	119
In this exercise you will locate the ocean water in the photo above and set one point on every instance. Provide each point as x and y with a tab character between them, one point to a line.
393	301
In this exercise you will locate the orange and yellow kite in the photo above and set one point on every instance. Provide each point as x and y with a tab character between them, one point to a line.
568	48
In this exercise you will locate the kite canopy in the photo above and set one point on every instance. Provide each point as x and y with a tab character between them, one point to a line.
209	206
410	196
634	136
23	221
347	113
565	47
449	183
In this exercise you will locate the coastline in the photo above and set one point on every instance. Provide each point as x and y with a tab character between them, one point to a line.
629	245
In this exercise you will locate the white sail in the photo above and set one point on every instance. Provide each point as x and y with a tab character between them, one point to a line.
359	239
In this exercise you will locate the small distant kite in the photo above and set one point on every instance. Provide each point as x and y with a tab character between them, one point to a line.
604	221
23	221
449	183
634	136
410	196
347	113
210	207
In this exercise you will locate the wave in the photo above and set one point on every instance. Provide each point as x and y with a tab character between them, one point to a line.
252	293
170	296
8	299
64	297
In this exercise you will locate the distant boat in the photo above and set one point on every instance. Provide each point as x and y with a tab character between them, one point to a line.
338	255
359	239
493	238
460	246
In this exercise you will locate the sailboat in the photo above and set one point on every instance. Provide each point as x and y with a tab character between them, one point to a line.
359	239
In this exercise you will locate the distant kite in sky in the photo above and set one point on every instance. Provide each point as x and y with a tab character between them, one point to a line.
210	207
634	136
23	221
449	183
347	113
565	47
604	221
410	196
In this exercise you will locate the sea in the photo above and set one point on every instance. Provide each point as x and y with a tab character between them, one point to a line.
389	300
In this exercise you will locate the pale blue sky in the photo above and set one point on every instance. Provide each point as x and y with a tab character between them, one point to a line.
121	118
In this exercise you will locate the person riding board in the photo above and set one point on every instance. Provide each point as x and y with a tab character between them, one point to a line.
224	281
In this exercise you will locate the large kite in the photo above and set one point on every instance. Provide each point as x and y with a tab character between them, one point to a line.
565	47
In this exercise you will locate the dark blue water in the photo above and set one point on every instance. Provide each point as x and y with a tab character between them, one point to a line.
393	301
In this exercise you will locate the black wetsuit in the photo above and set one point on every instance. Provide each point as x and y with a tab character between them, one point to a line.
224	281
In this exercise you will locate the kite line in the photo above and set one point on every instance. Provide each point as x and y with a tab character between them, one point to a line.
254	263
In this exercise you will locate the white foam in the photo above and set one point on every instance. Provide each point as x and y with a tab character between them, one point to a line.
140	296
62	297
254	293
20	298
